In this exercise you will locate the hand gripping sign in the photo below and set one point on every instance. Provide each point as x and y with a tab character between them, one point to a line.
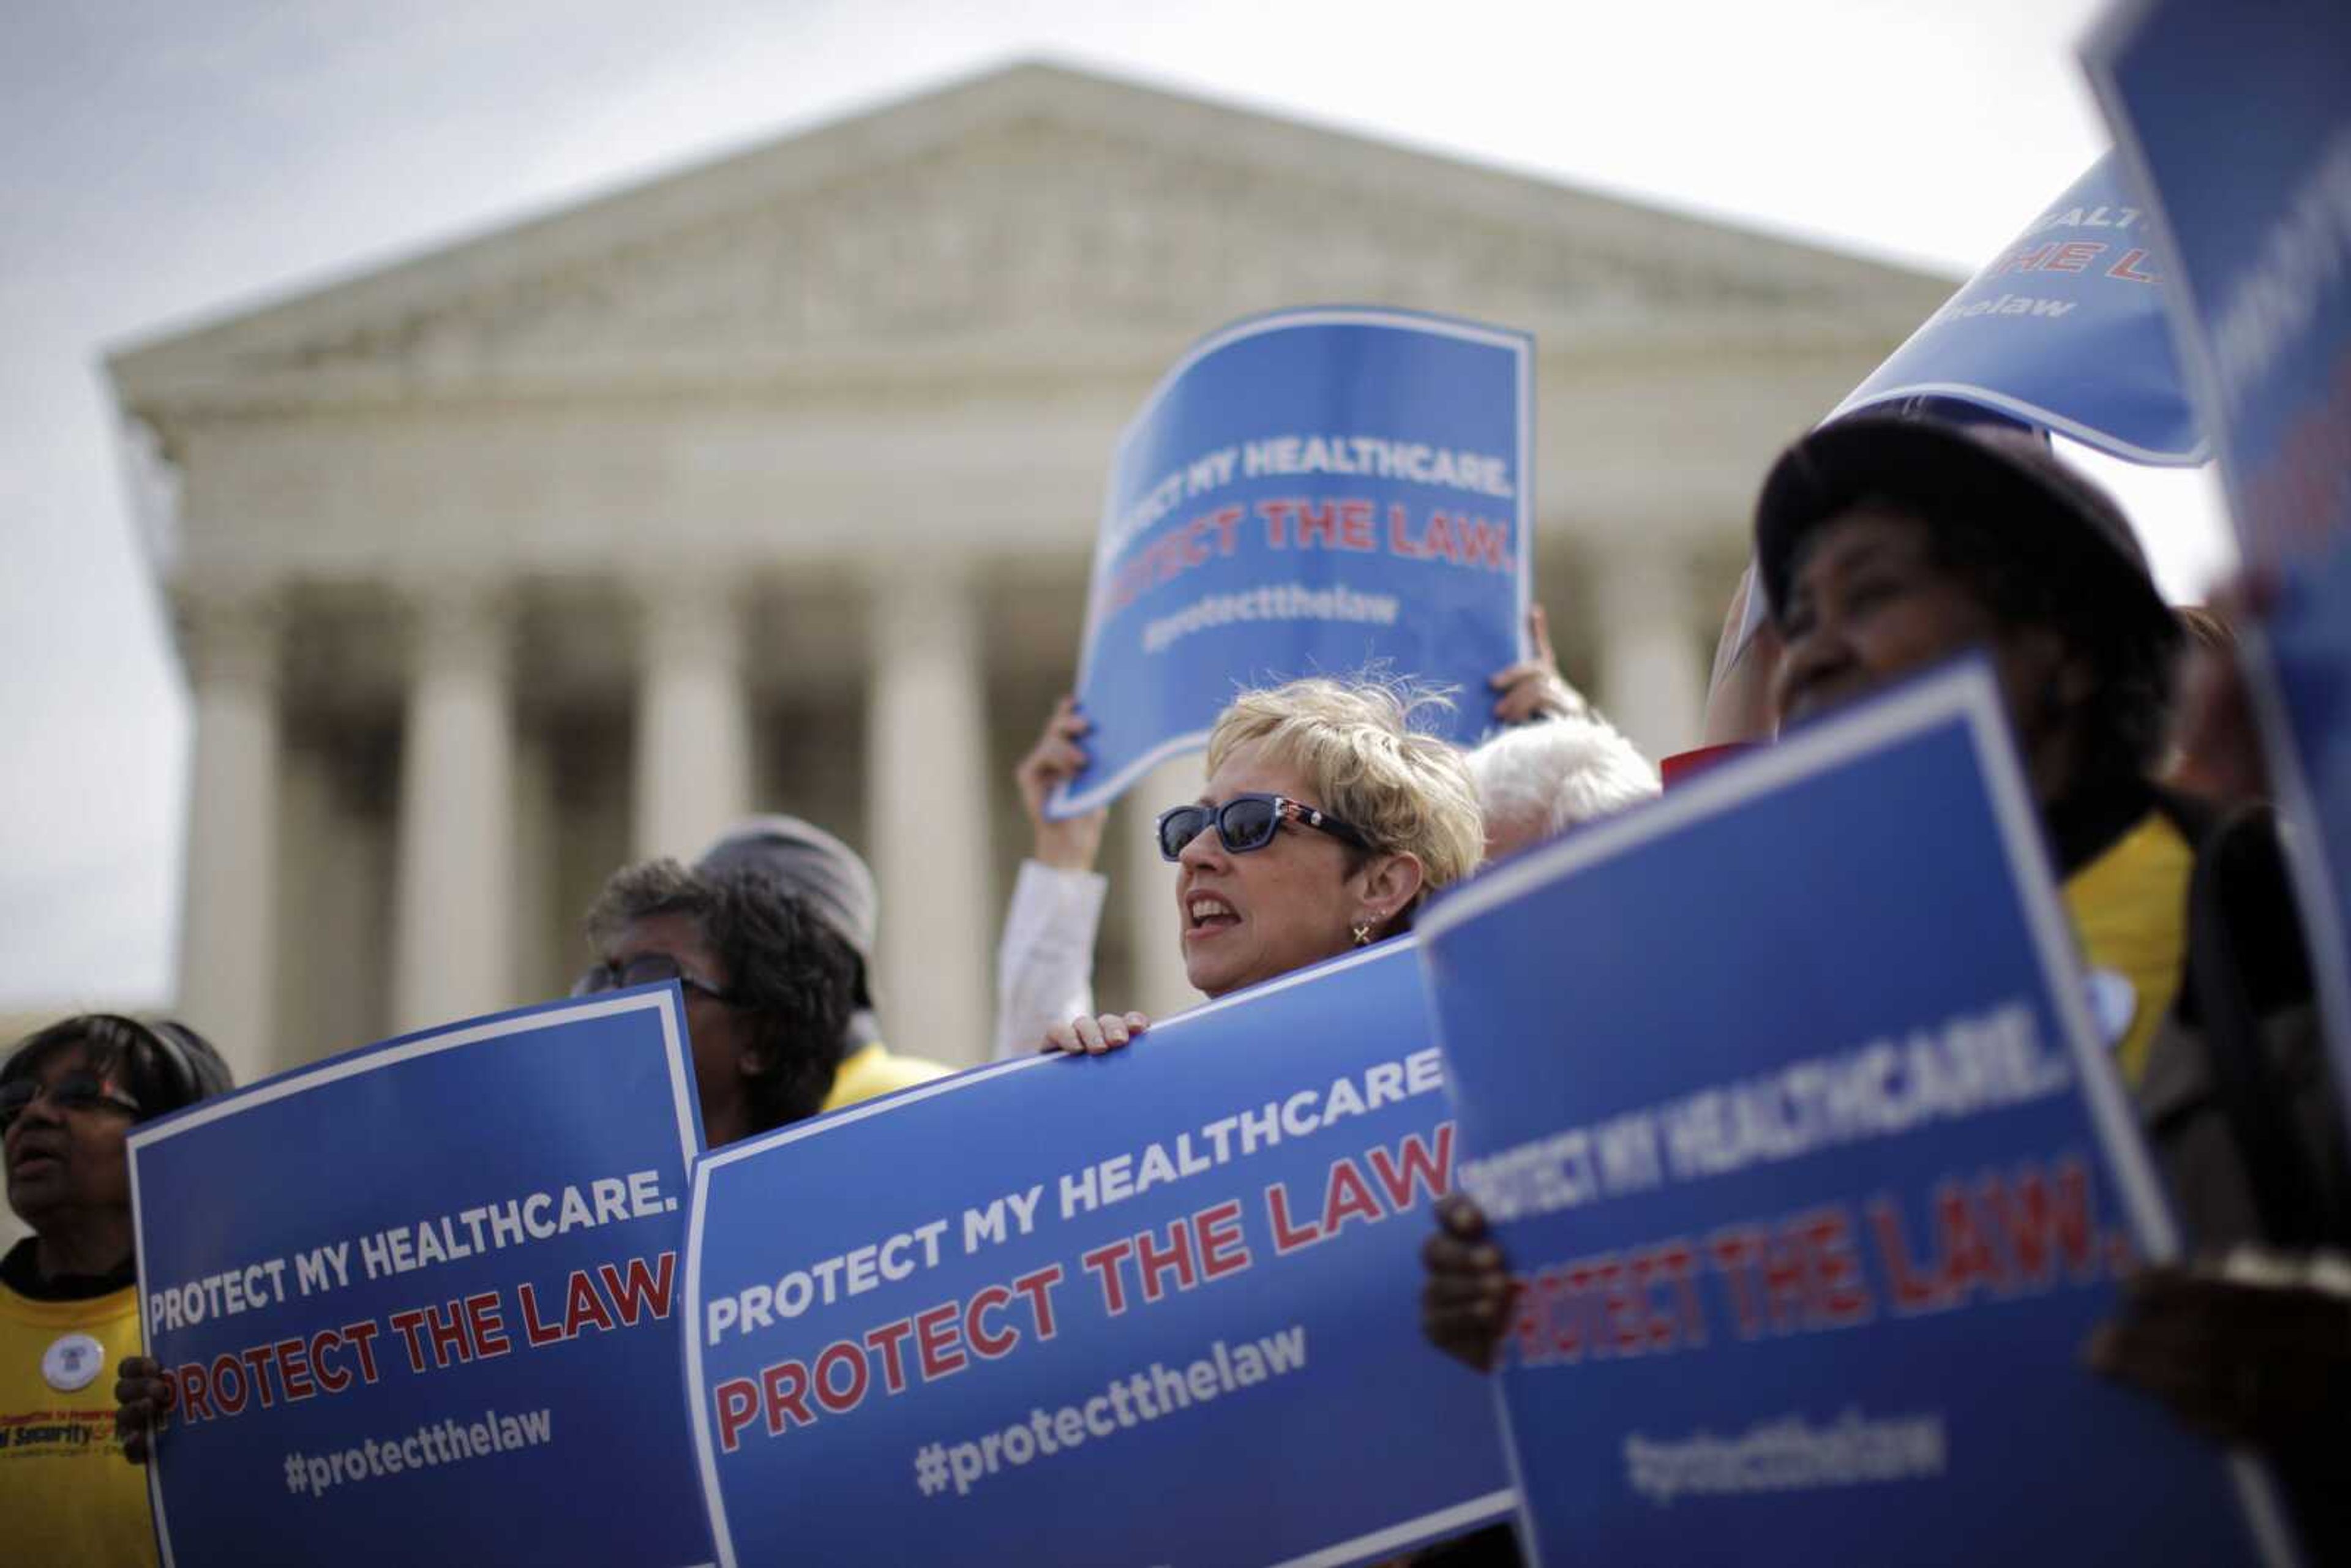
415	1301
2063	330
1314	492
1155	1308
1784	1099
2237	120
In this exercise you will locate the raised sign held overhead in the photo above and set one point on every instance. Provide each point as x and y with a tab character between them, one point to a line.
1315	492
2063	330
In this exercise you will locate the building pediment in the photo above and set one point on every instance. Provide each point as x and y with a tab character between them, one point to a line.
1033	215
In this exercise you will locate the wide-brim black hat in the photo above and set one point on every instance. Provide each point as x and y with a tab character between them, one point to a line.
2006	482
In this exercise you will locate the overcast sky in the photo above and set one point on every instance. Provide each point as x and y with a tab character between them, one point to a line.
178	160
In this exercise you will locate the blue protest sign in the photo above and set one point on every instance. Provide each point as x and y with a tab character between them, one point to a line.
414	1301
2063	329
1784	1101
1308	493
1155	1308
2237	119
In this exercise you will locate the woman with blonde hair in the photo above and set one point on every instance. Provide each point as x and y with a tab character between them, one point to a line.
1326	821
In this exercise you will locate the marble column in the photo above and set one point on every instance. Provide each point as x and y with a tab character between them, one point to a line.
693	741
228	946
927	807
453	926
548	951
1653	676
1147	882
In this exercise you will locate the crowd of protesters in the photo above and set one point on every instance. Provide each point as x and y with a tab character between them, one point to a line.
1329	817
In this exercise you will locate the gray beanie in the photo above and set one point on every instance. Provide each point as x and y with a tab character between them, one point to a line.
822	872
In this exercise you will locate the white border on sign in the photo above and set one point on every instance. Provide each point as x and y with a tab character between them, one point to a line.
663	999
1493	1506
1519	345
1966	692
2031	412
1428	1527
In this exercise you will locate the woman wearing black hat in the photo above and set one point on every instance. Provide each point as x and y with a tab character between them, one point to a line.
69	1300
1884	545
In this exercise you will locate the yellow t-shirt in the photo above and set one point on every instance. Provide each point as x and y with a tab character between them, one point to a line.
67	1497
2130	911
870	1072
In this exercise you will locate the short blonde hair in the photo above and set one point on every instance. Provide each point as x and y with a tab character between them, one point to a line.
1405	789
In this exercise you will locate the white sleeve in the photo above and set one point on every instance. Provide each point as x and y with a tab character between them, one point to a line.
1044	970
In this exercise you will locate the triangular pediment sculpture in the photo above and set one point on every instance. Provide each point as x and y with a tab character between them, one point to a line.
1037	212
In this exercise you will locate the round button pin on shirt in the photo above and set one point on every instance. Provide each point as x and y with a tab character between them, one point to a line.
73	1362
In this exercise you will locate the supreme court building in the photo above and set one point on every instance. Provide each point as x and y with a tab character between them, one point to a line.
772	486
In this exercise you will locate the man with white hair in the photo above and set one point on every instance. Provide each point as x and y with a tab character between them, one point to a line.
1556	763
1537	781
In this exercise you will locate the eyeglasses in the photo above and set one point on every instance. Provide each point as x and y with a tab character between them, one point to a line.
646	969
1247	822
72	1091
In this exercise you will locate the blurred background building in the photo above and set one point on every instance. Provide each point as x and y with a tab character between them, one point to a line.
772	486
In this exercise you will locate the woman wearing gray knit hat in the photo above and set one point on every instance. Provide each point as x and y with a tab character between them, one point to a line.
833	883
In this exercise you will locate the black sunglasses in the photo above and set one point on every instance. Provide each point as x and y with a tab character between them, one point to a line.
73	1092
648	969
1247	822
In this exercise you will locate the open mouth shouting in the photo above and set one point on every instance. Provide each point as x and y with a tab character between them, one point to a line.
1208	914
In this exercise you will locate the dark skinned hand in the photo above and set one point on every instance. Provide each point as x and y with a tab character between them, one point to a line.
142	1404
1466	1298
2267	1365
